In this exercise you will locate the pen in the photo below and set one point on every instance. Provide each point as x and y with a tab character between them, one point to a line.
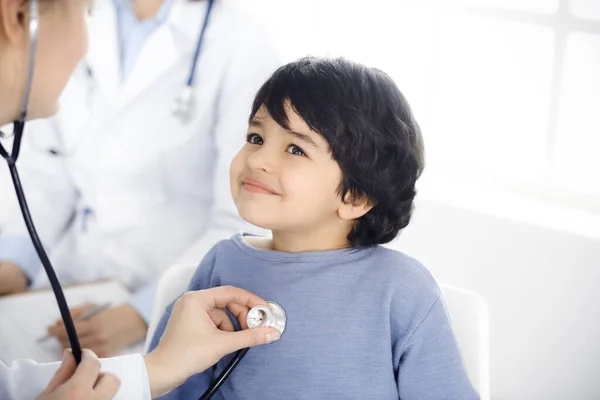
86	315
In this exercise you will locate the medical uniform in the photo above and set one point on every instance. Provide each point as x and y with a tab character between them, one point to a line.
26	380
117	184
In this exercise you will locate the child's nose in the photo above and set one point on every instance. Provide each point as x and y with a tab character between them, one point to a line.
263	159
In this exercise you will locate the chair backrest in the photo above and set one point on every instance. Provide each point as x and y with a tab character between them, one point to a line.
468	313
469	316
170	286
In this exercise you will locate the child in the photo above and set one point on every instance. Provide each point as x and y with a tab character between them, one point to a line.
332	156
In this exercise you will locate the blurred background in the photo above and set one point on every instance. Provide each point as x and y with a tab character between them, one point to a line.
507	93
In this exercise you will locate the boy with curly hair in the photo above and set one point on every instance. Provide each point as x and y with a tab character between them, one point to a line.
332	156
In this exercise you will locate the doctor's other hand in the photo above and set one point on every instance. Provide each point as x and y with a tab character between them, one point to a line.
106	333
12	279
84	382
199	333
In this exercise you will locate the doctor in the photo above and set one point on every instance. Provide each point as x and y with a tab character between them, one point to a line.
121	185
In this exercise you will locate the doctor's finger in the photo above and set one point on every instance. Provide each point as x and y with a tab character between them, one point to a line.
107	385
64	340
228	342
85	341
66	370
88	370
77	311
99	346
221	319
86	327
83	328
221	296
65	343
240	312
57	332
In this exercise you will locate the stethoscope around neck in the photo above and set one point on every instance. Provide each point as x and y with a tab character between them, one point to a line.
183	104
271	316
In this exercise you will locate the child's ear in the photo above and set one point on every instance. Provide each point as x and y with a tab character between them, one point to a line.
353	207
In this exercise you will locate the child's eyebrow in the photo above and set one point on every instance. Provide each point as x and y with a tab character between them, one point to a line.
301	136
255	123
304	137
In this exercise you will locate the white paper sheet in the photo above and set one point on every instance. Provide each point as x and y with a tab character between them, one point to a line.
24	319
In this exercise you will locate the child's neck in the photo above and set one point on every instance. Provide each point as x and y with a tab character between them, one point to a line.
295	242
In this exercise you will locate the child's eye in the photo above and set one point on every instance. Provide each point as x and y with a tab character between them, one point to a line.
253	138
295	150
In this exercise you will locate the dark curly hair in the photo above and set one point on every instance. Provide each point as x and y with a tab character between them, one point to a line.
370	129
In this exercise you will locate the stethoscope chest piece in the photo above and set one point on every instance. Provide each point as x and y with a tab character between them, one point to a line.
272	316
184	104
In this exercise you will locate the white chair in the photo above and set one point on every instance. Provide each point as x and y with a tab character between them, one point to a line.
470	320
468	313
170	286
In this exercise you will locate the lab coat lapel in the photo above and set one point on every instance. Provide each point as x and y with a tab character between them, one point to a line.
103	55
168	45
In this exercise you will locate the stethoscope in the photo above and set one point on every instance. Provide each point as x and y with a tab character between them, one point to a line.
264	316
270	316
183	104
11	159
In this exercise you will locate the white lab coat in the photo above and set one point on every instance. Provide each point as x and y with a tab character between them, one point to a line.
7	199
26	380
157	188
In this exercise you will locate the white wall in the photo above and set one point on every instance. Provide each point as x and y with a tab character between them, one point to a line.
541	288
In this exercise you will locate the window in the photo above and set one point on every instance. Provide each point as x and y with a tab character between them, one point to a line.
491	100
507	91
578	134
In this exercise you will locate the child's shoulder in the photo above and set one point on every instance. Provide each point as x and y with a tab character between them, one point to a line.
407	284
219	253
227	246
404	272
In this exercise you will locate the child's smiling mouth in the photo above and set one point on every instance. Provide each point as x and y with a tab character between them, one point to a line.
255	186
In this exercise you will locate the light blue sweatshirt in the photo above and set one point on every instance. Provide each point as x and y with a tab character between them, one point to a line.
361	324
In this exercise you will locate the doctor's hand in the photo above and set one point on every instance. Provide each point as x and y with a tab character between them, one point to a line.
106	333
12	279
84	382
199	333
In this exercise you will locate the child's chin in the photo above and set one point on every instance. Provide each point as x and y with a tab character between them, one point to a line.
260	218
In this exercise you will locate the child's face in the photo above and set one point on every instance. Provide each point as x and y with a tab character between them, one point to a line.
285	180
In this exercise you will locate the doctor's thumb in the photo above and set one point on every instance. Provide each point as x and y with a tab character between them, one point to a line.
233	341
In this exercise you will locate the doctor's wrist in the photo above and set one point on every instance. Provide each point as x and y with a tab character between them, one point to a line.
161	375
